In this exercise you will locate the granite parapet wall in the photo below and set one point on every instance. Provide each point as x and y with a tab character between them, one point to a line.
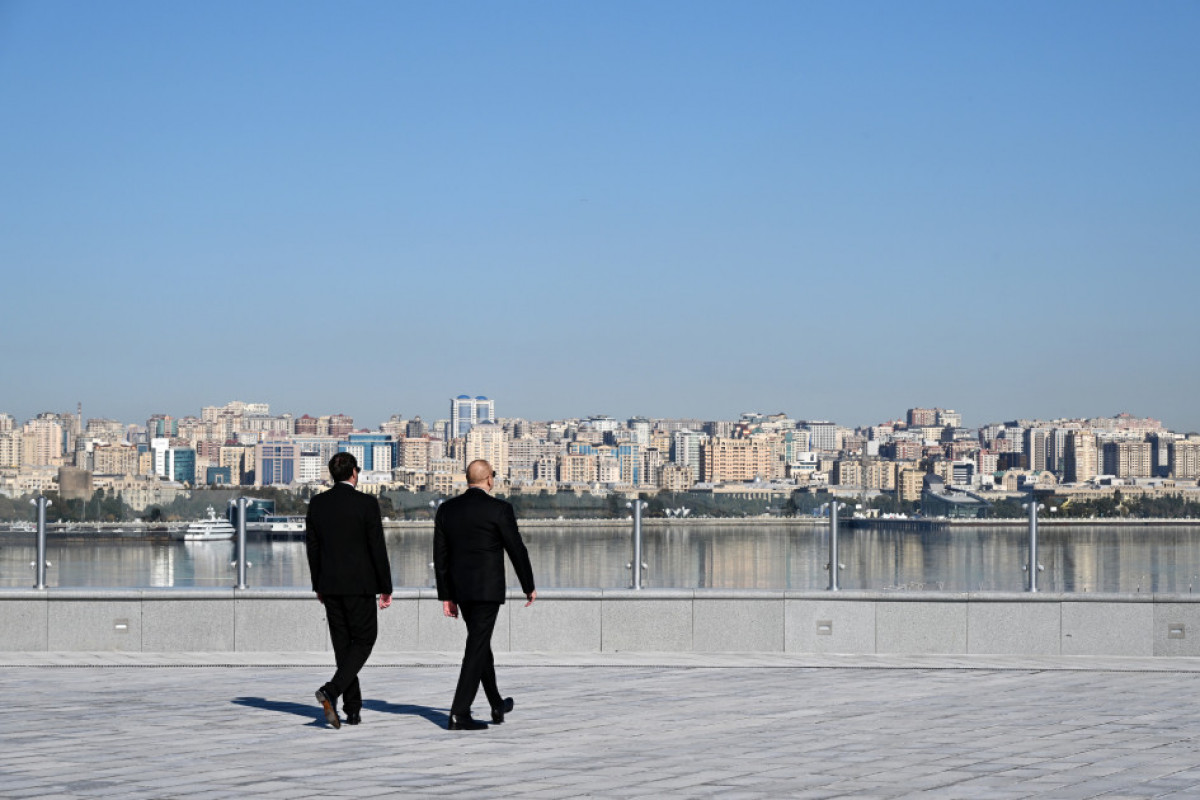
594	620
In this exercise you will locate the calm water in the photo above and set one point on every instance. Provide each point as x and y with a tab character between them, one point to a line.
777	557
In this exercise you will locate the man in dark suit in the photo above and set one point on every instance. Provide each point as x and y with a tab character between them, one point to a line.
472	532
349	565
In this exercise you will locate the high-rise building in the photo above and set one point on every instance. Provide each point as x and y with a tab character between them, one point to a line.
114	459
922	417
1127	459
577	468
909	483
488	441
1056	451
948	417
364	447
340	426
736	460
162	426
685	451
631	460
159	446
1082	463
1035	447
276	463
42	441
181	465
11	445
467	411
1183	459
823	435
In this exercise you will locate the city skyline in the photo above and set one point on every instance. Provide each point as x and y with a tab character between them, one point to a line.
675	209
447	416
755	457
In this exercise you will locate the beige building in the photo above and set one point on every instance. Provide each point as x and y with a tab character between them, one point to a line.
879	474
675	478
909	483
1183	458
488	441
446	483
1127	459
847	472
42	443
608	468
109	431
412	454
139	493
653	461
238	459
1082	463
724	460
115	459
11	445
35	480
577	468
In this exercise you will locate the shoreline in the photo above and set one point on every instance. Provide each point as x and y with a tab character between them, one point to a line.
904	525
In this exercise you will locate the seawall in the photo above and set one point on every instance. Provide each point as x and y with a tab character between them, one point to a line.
594	620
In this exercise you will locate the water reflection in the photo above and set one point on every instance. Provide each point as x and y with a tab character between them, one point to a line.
774	557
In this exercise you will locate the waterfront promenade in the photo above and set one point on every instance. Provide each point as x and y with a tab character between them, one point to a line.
245	725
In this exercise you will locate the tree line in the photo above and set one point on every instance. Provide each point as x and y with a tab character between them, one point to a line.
108	506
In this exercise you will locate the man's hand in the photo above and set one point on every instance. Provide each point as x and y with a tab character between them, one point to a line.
385	600
532	596
450	608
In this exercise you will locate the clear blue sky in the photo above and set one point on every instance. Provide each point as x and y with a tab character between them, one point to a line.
836	210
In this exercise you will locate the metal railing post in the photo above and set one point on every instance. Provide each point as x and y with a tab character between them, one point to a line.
834	566
241	542
40	564
1033	544
636	565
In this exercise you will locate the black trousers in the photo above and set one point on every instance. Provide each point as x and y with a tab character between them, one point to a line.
353	627
478	664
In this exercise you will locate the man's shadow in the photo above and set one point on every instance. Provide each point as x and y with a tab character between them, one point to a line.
317	719
434	715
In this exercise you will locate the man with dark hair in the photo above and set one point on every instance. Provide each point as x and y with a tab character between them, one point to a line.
349	565
471	534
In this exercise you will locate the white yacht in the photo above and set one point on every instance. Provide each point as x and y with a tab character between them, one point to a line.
207	530
277	524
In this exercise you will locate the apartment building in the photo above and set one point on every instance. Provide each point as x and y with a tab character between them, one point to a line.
1127	459
736	460
1082	460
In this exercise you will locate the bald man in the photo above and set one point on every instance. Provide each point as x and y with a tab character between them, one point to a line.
472	532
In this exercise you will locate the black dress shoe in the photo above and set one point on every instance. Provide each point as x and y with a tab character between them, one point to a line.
499	711
327	706
353	718
465	722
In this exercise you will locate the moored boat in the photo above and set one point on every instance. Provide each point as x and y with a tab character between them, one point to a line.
212	529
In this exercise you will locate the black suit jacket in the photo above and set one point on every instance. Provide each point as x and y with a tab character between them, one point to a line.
471	534
344	538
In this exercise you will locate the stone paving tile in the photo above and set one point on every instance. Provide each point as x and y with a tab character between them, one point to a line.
753	728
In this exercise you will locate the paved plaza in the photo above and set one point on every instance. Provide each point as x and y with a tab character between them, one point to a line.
597	725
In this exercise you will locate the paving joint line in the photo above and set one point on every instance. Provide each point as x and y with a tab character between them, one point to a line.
676	667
